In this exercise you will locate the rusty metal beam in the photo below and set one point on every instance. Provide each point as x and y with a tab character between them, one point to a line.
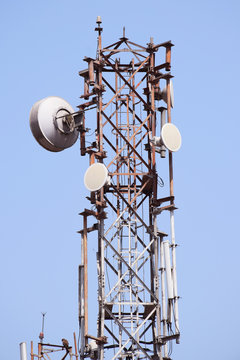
123	101
123	137
125	82
128	83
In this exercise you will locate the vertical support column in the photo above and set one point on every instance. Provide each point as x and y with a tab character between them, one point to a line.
170	153
153	129
135	202
119	244
32	356
174	275
163	292
152	218
154	248
156	283
85	262
75	346
117	136
101	289
39	351
81	305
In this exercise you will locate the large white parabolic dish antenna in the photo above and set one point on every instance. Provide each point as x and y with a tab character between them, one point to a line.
96	177
50	122
171	137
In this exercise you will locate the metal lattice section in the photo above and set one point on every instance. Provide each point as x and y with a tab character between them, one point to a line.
137	293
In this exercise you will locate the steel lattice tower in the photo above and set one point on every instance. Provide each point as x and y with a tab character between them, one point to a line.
136	264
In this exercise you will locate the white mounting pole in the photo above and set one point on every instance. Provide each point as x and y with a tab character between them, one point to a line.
174	273
168	269
164	314
81	307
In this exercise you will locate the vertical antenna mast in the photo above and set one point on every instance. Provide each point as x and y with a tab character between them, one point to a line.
135	265
130	209
41	335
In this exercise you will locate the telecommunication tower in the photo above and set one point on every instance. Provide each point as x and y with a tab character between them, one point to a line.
131	210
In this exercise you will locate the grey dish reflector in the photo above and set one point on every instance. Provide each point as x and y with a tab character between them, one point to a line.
171	137
96	177
51	123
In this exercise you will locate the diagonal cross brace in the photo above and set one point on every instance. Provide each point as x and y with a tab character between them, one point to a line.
131	270
127	207
129	267
127	143
136	214
127	82
130	337
123	101
124	281
114	209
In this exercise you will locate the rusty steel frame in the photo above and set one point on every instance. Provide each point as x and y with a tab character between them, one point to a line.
45	349
143	320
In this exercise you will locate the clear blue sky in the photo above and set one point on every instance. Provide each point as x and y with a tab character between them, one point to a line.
42	47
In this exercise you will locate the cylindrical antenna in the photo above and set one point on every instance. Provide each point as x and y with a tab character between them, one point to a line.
163	122
23	351
99	29
168	269
99	20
